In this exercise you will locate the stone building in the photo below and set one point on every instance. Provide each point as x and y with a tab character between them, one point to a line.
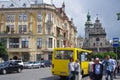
32	31
95	36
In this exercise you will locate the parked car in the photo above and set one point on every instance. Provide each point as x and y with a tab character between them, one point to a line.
20	62
28	65
45	63
36	64
32	64
9	66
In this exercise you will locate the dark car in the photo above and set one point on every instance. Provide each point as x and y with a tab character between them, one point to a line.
8	66
45	63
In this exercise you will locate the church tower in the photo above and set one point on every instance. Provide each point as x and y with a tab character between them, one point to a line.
95	36
88	25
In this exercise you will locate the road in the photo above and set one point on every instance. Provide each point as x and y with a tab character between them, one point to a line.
30	74
34	74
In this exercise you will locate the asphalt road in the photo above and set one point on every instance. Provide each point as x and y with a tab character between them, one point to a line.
35	74
30	74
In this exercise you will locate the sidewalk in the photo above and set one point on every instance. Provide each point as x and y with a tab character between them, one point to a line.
118	77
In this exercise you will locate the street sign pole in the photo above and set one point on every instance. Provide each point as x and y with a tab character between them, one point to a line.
115	45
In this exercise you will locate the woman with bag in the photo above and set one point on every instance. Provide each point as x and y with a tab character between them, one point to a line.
78	75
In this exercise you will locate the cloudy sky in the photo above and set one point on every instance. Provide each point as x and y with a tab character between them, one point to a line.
78	9
106	10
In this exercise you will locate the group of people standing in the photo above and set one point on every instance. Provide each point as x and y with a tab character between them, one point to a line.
97	67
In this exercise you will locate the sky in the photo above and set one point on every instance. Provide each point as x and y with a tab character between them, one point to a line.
78	9
106	10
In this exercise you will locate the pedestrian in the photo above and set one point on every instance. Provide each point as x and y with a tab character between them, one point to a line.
115	68
109	67
78	75
90	68
71	69
97	70
118	69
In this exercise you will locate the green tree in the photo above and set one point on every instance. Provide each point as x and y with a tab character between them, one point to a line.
118	52
3	52
103	55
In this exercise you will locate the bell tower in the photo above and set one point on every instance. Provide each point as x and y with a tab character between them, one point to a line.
88	25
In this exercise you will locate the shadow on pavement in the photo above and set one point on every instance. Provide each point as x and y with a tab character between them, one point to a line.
51	78
54	78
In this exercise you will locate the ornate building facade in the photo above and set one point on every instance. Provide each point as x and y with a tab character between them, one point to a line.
95	36
31	33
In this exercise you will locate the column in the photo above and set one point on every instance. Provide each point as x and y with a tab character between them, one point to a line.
7	42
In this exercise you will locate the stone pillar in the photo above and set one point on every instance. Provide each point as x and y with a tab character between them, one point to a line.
20	42
7	42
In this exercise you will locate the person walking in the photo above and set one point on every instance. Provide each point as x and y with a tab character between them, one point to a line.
78	75
109	67
97	70
115	68
90	68
71	69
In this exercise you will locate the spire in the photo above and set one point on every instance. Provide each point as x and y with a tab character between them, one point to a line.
88	17
63	7
88	22
97	20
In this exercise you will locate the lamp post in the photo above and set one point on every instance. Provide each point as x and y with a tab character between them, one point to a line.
118	15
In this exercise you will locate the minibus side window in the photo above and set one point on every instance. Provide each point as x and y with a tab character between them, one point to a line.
63	54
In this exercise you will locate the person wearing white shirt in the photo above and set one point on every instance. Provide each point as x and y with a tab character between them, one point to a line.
71	69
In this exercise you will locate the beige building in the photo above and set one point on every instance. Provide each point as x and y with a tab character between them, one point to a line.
31	33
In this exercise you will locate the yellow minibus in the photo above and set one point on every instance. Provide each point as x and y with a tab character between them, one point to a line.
61	56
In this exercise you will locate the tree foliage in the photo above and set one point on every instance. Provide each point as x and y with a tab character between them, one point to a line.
103	55
3	51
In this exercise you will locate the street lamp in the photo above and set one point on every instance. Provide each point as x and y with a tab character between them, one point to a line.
118	15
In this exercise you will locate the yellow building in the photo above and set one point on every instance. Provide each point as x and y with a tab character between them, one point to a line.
31	33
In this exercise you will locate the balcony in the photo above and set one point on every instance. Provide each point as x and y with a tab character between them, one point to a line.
18	49
13	34
60	36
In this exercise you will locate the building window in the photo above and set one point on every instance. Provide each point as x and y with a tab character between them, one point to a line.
48	29
49	17
93	44
39	43
101	44
23	17
39	29
10	18
11	28
25	42
14	43
58	43
50	43
22	28
20	17
39	17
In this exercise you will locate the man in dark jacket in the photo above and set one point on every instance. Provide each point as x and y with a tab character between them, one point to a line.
97	70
